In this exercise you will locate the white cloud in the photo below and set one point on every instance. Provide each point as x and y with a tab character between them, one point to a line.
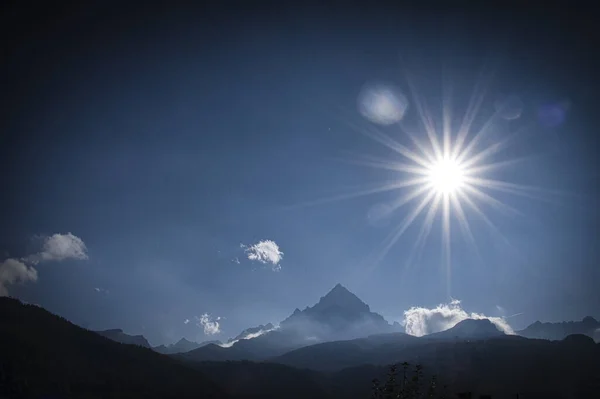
208	324
57	247
14	271
60	247
236	260
266	252
420	321
186	321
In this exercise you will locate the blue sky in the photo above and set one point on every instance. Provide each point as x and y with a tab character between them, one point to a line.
167	147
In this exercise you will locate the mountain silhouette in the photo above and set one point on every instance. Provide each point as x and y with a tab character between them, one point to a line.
45	356
118	335
253	332
181	346
469	329
558	331
338	315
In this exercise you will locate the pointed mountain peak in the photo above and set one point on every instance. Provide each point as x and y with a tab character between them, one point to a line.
339	290
342	297
184	341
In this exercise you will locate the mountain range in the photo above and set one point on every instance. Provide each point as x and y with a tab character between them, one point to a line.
557	331
337	316
44	355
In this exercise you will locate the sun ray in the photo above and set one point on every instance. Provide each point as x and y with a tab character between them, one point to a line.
387	141
472	110
462	155
464	225
486	220
446	112
492	149
424	114
381	138
419	144
499	205
446	255
381	163
405	199
424	231
389	186
479	170
393	237
532	192
392	144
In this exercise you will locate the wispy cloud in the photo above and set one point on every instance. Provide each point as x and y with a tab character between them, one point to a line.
266	252
249	336
57	247
209	324
100	290
186	321
236	260
421	321
14	271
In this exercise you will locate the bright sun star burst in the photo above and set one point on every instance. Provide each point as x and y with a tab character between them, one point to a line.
445	171
446	176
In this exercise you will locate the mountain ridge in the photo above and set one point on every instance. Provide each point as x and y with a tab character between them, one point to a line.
556	331
117	335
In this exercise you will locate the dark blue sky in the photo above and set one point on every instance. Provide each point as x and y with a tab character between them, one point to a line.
164	140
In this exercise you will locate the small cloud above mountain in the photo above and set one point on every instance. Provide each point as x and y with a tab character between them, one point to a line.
419	321
266	252
209	325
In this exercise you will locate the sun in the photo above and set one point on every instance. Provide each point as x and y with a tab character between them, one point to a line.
446	176
439	168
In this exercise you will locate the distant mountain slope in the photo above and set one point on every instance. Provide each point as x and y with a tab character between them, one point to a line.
469	329
253	332
182	346
44	354
557	331
385	349
118	335
327	356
